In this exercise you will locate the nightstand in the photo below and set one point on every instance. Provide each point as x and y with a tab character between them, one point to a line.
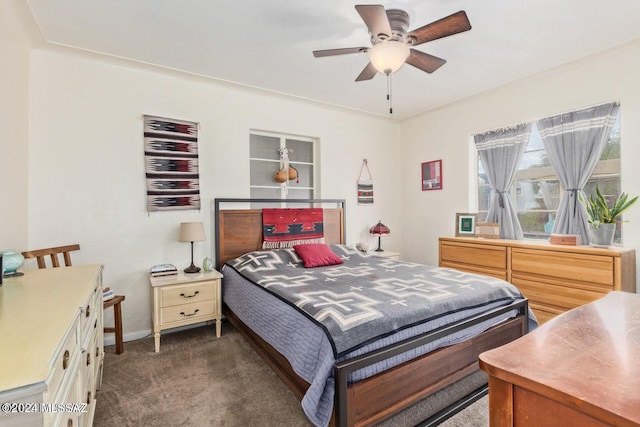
387	254
184	299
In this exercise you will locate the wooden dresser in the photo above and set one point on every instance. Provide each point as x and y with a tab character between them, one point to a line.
555	278
578	370
52	347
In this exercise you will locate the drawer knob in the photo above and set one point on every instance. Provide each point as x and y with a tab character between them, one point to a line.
70	422
65	359
88	359
87	312
189	296
89	398
97	351
189	315
95	324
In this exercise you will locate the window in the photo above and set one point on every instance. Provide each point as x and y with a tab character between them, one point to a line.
537	191
264	153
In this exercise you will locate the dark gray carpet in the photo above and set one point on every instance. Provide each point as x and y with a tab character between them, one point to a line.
199	380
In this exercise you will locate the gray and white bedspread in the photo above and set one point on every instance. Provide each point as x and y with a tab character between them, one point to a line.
327	314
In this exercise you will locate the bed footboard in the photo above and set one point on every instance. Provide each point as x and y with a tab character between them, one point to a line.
376	398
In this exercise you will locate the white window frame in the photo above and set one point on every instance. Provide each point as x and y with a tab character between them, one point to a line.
603	168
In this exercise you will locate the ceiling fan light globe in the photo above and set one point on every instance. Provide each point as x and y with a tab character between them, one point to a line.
388	57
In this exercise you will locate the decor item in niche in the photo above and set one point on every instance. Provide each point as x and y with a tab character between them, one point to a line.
293	174
488	230
603	217
379	230
432	175
11	262
280	176
286	172
466	224
191	232
171	164
365	185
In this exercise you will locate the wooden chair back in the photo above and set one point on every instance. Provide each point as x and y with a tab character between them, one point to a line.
41	254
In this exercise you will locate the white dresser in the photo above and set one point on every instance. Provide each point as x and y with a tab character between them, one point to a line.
52	348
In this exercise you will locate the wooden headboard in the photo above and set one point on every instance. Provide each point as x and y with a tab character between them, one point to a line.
238	231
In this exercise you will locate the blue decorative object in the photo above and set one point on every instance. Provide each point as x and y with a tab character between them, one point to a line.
11	262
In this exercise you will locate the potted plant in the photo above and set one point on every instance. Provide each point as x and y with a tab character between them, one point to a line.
603	217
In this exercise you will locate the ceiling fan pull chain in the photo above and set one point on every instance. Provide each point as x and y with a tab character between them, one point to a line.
389	93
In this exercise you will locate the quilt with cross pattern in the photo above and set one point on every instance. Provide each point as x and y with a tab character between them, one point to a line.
369	297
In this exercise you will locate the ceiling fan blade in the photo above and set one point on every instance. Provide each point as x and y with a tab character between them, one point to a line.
376	19
424	61
343	51
447	26
368	73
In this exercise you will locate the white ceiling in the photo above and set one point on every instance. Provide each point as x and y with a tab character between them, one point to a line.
268	44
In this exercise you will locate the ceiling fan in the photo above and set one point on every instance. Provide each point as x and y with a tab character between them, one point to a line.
391	44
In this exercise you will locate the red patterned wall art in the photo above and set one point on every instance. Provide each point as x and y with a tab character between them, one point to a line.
171	164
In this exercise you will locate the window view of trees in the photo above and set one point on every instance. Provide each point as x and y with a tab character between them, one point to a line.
537	191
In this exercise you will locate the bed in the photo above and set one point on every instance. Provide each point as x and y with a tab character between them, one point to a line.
340	381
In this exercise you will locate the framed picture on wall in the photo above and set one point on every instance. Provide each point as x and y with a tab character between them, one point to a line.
466	224
432	175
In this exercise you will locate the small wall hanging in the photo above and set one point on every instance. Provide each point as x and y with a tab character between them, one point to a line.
432	175
365	185
171	164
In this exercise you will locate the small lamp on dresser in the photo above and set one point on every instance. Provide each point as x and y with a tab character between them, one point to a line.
379	230
191	232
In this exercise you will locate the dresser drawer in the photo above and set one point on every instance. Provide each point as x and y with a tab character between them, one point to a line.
90	311
62	360
579	267
70	394
190	312
184	294
499	274
559	296
474	254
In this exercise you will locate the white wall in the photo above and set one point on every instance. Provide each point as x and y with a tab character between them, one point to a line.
77	141
16	39
445	133
86	162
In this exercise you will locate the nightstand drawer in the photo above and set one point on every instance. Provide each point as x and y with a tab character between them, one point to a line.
191	312
178	295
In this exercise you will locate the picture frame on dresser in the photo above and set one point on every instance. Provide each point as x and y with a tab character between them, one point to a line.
466	224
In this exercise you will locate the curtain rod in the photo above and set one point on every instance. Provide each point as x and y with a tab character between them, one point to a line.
511	126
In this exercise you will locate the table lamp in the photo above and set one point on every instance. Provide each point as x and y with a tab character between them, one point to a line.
379	230
191	232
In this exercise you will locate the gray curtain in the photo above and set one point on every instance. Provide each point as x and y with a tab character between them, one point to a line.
500	152
574	142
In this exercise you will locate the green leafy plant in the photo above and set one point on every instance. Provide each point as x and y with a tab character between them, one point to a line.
599	210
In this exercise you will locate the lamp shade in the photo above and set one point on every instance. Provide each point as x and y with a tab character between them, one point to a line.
191	232
379	229
388	57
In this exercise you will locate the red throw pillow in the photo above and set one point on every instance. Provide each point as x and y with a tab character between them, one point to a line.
317	255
